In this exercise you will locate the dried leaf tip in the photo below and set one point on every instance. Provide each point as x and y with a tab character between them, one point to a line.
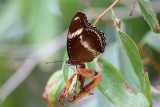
128	88
117	23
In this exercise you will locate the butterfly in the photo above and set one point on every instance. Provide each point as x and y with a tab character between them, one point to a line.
84	41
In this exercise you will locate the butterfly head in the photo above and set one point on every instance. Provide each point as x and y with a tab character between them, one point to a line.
69	63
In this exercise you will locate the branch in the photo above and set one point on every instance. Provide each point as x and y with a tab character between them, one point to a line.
104	12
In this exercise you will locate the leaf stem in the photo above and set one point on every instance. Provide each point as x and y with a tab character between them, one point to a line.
104	12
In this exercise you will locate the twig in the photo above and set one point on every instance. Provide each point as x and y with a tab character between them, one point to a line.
134	5
104	12
28	65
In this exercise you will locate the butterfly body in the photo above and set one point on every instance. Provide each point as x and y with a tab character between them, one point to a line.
84	42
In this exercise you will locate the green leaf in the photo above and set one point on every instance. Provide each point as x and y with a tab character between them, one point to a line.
133	54
67	70
147	87
54	86
116	55
149	15
115	88
134	57
127	70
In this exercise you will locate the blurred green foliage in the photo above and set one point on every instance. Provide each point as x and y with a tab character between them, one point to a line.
28	25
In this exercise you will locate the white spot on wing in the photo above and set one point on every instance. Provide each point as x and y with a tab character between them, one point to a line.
76	18
74	34
86	45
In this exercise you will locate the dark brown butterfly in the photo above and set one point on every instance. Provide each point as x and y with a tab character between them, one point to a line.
84	42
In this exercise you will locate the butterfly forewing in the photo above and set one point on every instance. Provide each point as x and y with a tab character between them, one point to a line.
78	23
84	42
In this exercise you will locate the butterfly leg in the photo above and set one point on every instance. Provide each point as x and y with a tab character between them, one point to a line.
87	89
64	92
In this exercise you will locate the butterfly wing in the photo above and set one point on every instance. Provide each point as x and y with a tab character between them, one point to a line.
84	42
78	23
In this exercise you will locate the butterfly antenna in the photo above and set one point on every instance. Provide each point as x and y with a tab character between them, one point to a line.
56	61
